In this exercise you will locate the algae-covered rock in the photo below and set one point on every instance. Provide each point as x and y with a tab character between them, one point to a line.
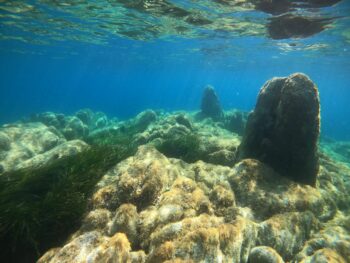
287	232
325	255
210	105
235	121
222	157
5	142
21	142
144	119
163	209
264	254
63	150
76	126
331	243
172	211
96	248
178	135
153	207
125	221
284	127
267	193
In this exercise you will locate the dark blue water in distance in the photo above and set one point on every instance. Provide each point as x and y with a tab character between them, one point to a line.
125	75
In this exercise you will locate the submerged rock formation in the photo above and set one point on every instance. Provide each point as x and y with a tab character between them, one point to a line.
210	105
150	208
25	145
235	121
154	208
284	127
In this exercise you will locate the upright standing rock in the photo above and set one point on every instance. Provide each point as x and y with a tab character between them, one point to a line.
210	106
284	127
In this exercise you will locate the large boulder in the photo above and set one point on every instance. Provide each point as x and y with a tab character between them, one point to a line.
284	127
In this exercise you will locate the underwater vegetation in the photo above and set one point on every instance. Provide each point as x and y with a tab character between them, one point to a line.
40	206
186	147
124	133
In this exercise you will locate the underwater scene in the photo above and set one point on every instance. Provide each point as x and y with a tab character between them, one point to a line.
148	131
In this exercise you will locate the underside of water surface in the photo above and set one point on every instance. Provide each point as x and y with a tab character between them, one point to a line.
175	131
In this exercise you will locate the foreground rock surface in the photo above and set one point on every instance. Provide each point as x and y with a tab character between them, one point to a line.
284	127
150	208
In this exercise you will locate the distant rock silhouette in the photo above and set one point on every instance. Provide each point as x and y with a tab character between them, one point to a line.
284	127
210	106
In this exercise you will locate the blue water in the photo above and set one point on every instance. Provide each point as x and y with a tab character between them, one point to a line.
124	76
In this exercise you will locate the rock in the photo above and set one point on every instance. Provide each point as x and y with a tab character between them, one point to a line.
264	254
101	122
75	129
96	219
49	119
287	232
284	127
132	185
331	243
293	26
325	255
159	209
222	157
163	210
26	141
125	221
144	119
210	105
235	121
85	115
94	247
183	120
65	149
5	142
267	193
204	239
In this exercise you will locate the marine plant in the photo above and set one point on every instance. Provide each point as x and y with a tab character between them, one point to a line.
112	137
40	206
122	135
185	147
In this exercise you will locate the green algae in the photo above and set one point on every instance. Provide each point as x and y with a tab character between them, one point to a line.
185	147
110	137
41	206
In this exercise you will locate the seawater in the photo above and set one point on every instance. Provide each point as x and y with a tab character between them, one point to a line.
121	59
124	57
